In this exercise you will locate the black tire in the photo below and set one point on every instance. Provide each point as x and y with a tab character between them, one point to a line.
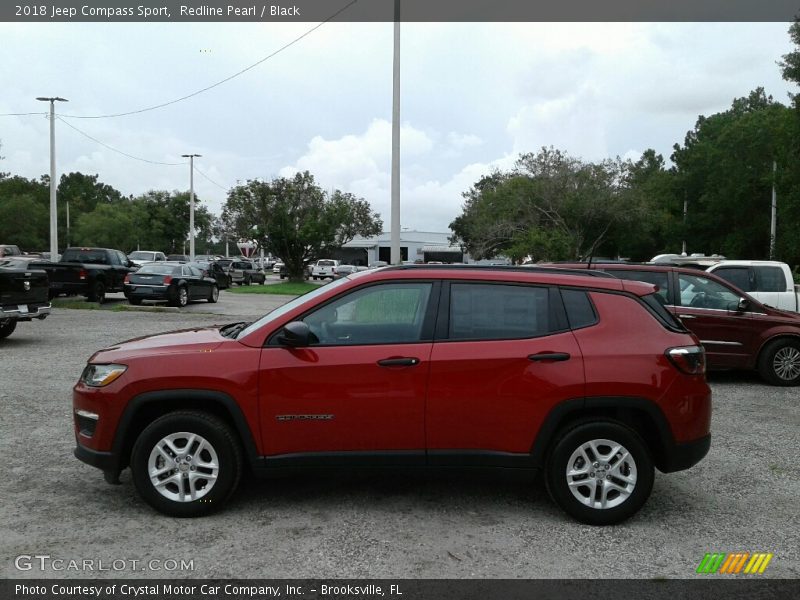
181	298
97	293
248	281
779	362
568	444
135	301
213	296
7	327
219	437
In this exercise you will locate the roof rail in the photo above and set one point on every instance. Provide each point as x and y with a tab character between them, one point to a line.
513	268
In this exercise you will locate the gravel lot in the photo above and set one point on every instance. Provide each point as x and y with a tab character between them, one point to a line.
742	497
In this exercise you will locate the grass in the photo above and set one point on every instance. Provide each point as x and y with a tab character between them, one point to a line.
72	303
287	288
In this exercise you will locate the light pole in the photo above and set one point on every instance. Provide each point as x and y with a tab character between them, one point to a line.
191	158
53	207
394	254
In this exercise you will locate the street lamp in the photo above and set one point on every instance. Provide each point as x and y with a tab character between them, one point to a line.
191	158
53	209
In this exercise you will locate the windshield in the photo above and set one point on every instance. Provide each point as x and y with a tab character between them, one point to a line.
142	255
288	307
326	263
160	269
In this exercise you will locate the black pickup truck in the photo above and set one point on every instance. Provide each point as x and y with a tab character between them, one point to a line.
90	272
23	295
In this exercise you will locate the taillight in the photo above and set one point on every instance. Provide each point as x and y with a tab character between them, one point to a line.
82	274
688	359
167	279
127	279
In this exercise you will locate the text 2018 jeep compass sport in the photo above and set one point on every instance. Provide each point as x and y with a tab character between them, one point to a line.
586	377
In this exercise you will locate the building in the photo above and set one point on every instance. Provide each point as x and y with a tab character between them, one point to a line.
422	246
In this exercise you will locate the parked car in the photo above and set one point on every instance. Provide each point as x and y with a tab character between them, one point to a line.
140	257
206	257
324	268
176	283
7	250
768	281
183	258
23	294
249	272
737	331
276	268
216	272
345	270
589	378
90	272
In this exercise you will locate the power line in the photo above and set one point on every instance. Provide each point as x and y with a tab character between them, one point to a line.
212	86
222	187
83	133
22	114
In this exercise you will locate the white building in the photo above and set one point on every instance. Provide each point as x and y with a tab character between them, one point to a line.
424	246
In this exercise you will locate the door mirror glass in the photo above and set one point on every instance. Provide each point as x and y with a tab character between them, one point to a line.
295	334
743	305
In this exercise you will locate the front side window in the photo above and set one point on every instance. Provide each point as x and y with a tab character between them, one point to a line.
481	311
701	292
381	314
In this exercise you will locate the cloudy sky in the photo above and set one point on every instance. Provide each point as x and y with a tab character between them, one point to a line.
474	96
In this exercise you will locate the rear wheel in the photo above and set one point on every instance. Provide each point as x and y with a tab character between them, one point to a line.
214	295
247	280
7	327
186	464
779	363
135	301
600	472
97	292
181	297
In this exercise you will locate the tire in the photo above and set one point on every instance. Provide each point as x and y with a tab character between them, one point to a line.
247	281
97	293
7	327
214	295
219	457
135	301
571	451
181	298
779	362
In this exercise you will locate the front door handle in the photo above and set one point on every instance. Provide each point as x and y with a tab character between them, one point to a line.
399	362
687	316
554	356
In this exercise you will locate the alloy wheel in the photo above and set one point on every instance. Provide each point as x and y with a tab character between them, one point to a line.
601	474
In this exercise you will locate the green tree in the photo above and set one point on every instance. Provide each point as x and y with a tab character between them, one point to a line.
24	212
790	65
294	219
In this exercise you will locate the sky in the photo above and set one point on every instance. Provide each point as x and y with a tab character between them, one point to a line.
473	97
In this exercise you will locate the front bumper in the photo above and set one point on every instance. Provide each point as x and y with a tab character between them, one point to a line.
25	312
105	461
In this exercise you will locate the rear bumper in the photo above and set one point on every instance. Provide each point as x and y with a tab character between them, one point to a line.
32	311
685	455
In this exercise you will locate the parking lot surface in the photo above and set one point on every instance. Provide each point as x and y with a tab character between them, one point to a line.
742	498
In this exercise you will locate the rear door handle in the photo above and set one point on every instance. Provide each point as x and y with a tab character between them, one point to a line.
687	316
554	356
399	362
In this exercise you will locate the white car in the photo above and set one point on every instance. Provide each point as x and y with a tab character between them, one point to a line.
768	281
141	257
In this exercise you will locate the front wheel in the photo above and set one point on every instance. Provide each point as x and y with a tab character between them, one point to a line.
7	327
779	363
214	295
600	473
186	464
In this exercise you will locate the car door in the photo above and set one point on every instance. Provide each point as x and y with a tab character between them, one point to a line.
199	288
359	388
709	309
773	289
501	359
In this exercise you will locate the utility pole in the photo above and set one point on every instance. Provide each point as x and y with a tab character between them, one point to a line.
773	222
53	207
191	158
685	210
67	223
394	255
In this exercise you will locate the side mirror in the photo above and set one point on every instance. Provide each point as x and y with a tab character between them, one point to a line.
295	334
743	305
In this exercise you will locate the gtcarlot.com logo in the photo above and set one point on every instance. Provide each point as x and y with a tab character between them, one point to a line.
735	563
45	562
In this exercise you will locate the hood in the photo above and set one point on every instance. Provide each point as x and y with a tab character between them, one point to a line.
185	341
787	315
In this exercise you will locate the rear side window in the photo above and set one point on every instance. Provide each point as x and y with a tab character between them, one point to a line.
738	276
770	279
497	312
659	278
580	312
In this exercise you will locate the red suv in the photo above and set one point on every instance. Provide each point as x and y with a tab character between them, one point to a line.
736	330
587	377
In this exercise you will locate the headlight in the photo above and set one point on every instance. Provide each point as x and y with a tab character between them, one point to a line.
101	375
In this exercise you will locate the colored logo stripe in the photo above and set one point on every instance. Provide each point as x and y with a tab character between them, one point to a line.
734	563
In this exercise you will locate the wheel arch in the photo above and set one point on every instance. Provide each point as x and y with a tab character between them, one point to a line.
783	335
642	415
145	408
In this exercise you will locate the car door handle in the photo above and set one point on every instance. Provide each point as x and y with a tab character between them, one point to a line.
687	316
554	356
399	362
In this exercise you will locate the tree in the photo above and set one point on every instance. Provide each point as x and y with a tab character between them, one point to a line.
551	206
790	65
295	220
24	212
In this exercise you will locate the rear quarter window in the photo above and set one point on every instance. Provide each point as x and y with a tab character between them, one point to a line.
770	279
580	311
